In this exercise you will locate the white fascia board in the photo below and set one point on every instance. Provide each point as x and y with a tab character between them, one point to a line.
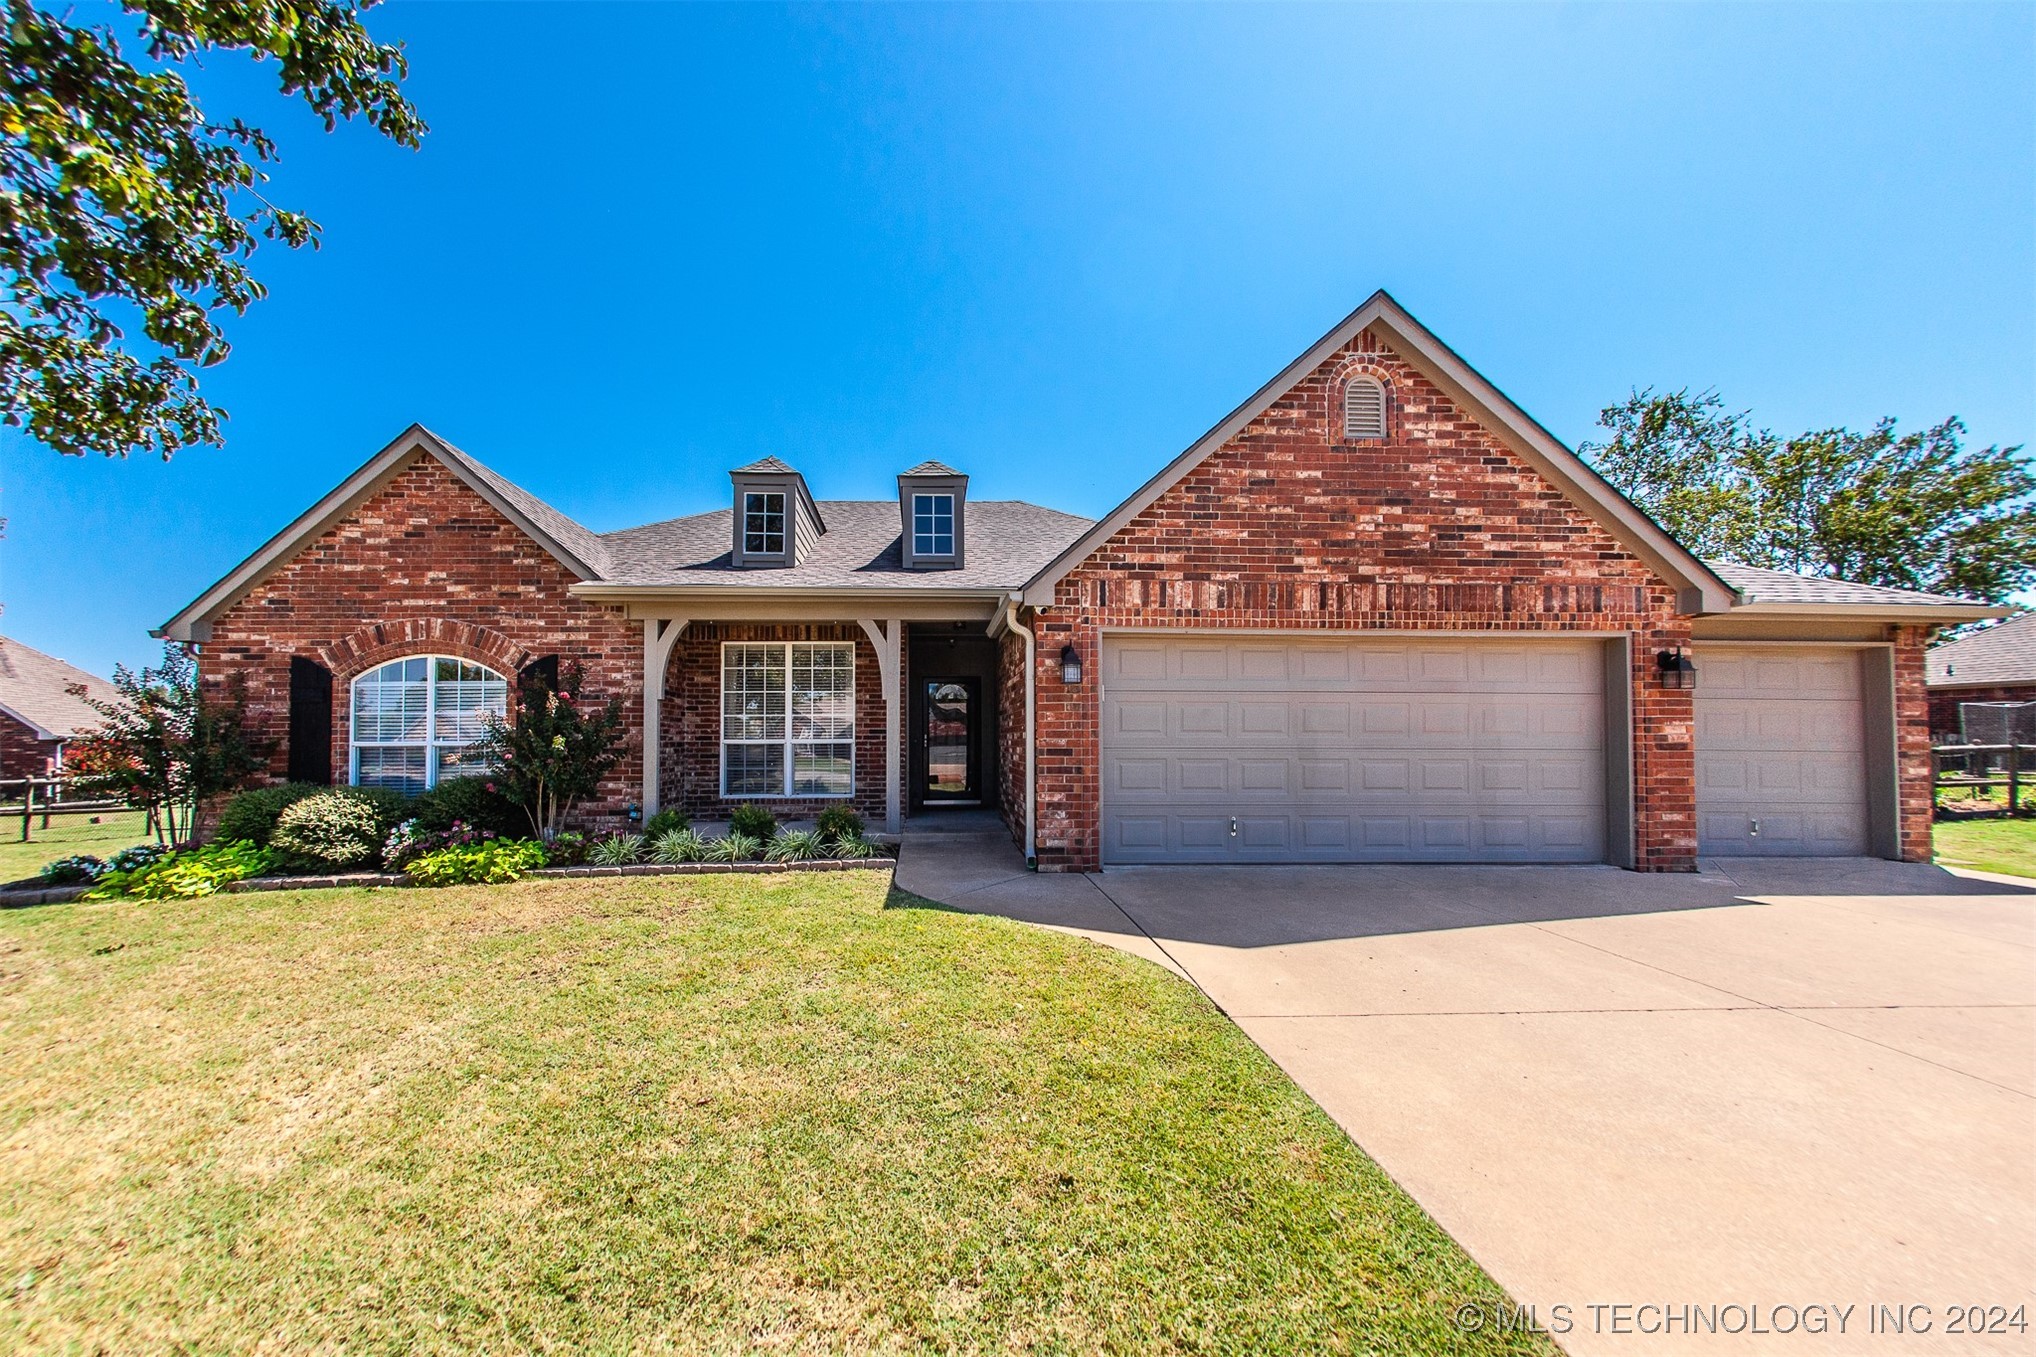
193	623
1935	614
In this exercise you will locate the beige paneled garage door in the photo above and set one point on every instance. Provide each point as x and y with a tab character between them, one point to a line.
1261	749
1781	763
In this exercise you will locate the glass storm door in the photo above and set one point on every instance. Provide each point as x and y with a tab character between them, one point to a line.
953	707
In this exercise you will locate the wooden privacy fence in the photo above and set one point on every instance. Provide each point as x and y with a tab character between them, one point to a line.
1978	769
38	798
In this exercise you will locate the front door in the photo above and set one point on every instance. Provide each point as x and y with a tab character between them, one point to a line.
949	763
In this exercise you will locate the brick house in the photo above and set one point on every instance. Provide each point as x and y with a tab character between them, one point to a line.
43	703
1376	614
1997	664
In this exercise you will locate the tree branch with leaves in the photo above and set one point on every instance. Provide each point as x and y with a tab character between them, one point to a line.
124	205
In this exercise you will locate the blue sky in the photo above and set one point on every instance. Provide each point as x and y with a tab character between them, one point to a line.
1052	245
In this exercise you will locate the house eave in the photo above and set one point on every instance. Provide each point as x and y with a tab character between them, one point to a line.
1940	614
812	603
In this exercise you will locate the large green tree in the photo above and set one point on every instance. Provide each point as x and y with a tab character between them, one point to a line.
128	214
1918	510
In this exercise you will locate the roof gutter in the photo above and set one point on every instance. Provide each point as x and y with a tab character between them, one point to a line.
1937	614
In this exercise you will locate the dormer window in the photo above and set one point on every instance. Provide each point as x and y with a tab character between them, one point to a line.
776	523
763	523
933	504
933	526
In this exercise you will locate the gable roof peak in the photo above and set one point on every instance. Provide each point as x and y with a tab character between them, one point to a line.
765	466
930	468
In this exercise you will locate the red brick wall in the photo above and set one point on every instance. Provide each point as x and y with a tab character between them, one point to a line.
689	758
1944	720
1917	795
21	754
1286	526
1011	735
425	566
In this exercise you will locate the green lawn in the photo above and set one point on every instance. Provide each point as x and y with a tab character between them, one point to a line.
1988	845
679	1113
67	835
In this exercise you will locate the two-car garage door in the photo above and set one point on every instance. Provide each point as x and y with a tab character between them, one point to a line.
1268	749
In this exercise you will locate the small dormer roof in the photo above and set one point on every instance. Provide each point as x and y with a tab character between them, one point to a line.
931	469
768	466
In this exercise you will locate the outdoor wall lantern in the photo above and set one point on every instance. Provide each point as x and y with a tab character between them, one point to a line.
1070	664
1677	669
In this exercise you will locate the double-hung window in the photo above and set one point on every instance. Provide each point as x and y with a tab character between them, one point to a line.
932	525
415	720
787	718
763	523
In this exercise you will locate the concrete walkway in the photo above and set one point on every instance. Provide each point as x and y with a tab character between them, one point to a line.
1773	1084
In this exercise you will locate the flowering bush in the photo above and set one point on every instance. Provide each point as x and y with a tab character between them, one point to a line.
135	858
555	751
185	873
410	840
566	850
66	871
493	861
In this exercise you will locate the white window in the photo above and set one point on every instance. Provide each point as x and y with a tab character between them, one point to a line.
415	718
787	719
763	523
1364	408
933	525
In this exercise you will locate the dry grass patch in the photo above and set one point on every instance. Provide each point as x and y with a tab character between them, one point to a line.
679	1113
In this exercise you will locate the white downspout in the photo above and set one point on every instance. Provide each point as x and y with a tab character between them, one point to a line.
1031	834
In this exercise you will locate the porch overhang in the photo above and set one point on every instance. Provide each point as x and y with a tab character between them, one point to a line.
763	602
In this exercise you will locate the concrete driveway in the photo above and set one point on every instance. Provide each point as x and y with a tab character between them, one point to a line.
1796	1084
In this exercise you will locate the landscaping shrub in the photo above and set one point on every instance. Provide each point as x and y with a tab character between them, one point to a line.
251	816
857	849
734	848
391	805
676	846
753	822
72	870
332	831
664	822
618	850
840	822
794	845
555	749
496	860
135	858
409	841
566	850
185	873
469	801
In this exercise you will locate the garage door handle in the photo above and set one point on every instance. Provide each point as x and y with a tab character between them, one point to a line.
1233	826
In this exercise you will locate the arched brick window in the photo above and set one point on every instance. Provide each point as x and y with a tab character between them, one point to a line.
415	718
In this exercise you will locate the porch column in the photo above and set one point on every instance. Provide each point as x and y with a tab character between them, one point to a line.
659	634
885	636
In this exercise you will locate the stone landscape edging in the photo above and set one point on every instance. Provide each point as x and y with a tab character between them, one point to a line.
58	895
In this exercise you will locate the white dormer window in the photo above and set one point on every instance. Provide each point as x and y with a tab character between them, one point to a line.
1364	408
763	523
933	525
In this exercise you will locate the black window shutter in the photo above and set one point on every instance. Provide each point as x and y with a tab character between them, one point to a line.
544	669
310	721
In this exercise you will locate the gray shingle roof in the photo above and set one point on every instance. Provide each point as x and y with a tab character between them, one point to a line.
1761	585
767	466
932	469
1008	542
44	691
2003	653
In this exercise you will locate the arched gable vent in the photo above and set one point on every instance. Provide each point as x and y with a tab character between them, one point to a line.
1364	408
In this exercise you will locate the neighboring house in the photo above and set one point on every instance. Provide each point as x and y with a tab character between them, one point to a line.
1376	614
1994	665
42	705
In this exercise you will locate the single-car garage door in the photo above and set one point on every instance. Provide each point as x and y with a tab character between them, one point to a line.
1260	749
1781	751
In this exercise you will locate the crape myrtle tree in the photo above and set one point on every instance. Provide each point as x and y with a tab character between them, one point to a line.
554	751
128	214
1919	510
165	746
